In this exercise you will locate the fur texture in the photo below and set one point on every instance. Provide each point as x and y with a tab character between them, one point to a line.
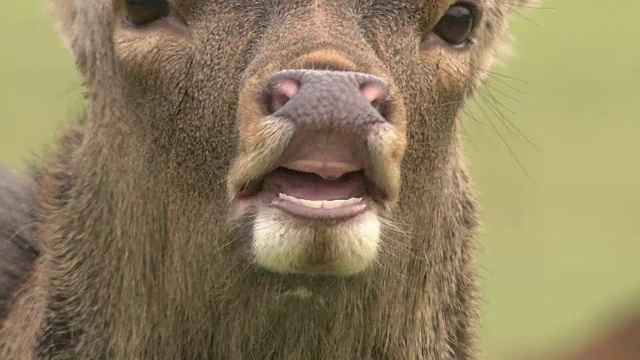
139	256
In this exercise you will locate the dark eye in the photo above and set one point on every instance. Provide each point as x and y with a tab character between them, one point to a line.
143	12
457	23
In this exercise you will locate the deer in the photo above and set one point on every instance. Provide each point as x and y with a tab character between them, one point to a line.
261	179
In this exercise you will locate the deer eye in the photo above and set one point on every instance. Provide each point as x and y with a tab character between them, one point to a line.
456	25
143	12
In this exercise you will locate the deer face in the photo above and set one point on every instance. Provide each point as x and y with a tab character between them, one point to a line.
304	109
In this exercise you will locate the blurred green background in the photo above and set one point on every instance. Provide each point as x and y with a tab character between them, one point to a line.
561	239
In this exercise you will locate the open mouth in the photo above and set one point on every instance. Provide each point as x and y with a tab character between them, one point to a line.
321	176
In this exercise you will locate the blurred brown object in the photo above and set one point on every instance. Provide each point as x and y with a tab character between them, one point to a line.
613	340
618	342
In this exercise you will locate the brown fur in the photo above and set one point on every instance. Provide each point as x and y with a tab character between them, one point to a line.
139	260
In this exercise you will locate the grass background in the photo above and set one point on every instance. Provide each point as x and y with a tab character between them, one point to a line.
561	241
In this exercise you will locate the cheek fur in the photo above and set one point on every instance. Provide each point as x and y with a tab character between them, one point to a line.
451	70
155	63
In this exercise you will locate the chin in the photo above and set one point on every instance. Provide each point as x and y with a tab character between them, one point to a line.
286	243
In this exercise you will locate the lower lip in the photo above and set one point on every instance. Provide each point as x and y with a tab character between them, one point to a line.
309	213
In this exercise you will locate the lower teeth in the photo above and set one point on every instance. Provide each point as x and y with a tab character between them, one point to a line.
320	204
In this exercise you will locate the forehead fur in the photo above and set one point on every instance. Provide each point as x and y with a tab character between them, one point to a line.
81	23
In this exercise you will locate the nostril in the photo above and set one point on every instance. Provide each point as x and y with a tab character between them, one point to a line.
377	96
281	93
314	97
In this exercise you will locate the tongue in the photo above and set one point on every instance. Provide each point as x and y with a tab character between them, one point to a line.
313	187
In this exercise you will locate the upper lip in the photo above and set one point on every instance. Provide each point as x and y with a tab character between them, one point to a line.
330	170
328	154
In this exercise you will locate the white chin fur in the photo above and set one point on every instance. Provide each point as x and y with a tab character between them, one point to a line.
280	243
